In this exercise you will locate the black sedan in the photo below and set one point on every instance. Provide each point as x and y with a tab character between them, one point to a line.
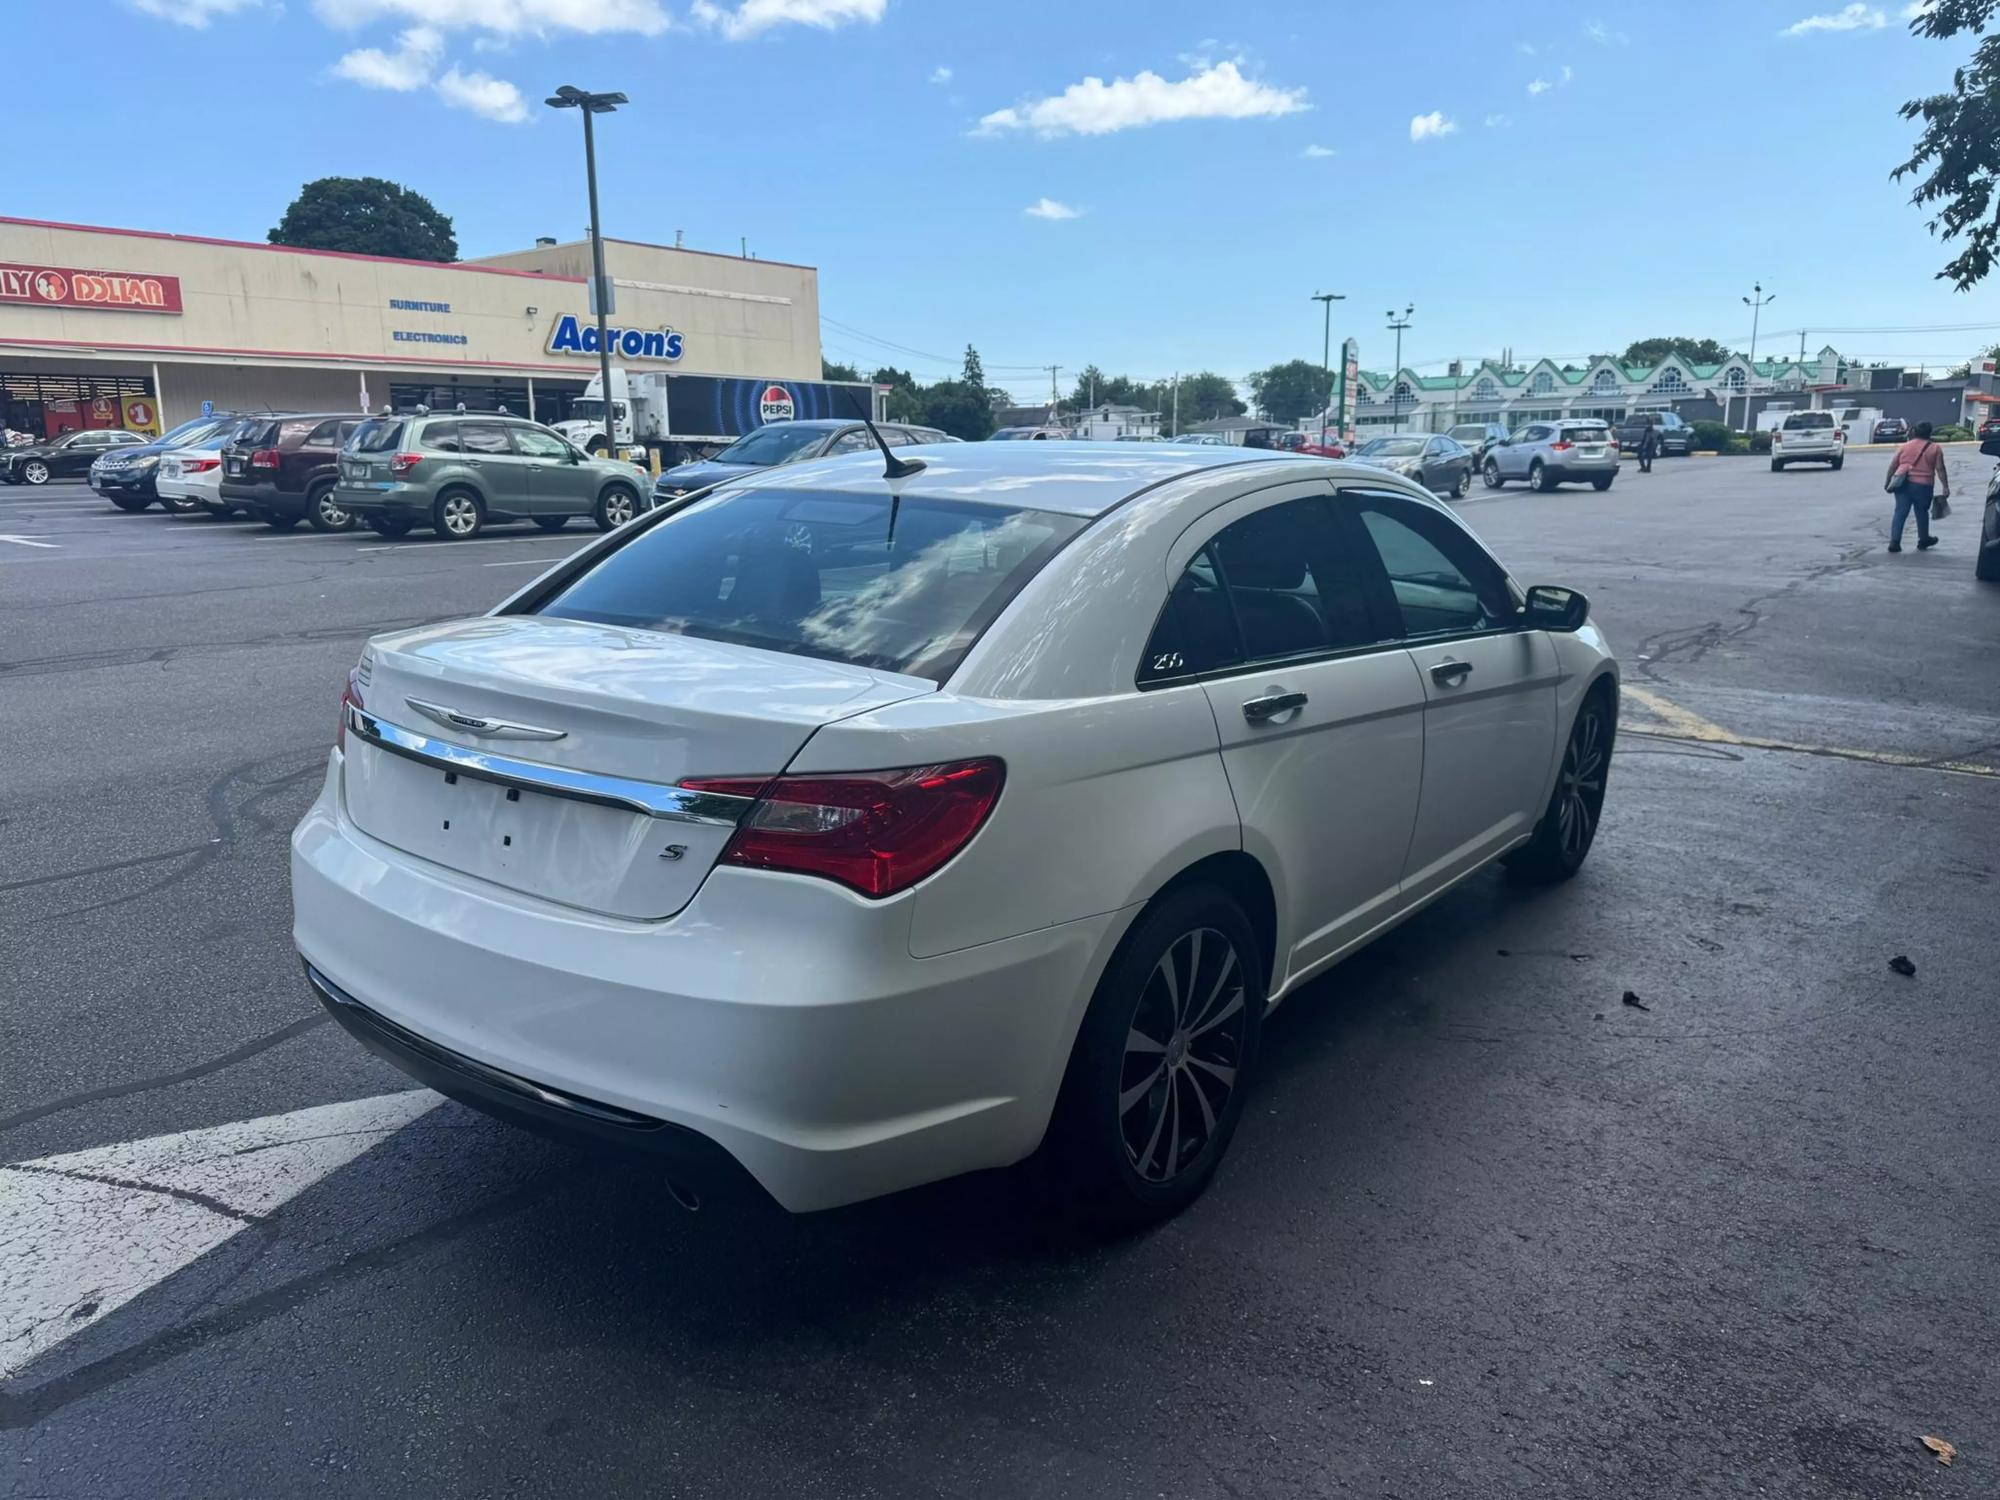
1440	464
69	455
1891	430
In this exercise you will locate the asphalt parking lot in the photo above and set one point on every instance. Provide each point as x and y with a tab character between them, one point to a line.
1488	1229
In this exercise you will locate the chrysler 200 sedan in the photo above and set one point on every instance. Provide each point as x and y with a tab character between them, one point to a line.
993	833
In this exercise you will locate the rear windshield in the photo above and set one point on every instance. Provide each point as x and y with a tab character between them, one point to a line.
377	435
820	575
257	433
776	444
1599	434
1393	448
1800	421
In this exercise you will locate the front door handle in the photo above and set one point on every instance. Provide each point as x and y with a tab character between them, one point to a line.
1451	673
1260	710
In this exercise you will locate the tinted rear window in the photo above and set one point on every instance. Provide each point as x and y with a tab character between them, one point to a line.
378	435
1800	421
818	575
1587	434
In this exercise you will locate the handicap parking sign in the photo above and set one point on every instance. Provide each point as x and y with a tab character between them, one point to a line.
208	408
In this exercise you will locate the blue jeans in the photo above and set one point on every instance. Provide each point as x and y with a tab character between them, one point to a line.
1912	499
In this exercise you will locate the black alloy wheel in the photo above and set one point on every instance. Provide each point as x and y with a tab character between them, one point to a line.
1492	474
1569	825
1182	1054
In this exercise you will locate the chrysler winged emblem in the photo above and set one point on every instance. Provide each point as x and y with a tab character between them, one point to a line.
485	728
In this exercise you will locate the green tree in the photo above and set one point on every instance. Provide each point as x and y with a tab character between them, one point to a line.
1694	351
367	216
973	377
1206	396
832	369
1956	146
890	375
960	409
1288	391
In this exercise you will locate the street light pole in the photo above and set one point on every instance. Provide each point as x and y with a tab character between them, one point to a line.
1397	325
571	97
1756	306
1326	300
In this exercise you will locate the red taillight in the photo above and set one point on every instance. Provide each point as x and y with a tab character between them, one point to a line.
264	458
1777	434
877	832
402	463
199	465
1561	447
349	695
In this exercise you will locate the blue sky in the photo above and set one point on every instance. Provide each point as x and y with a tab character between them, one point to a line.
1555	178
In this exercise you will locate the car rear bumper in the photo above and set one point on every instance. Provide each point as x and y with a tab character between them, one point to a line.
400	500
1819	451
781	1020
1600	469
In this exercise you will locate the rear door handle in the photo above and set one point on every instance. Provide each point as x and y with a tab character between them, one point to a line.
1259	710
1451	673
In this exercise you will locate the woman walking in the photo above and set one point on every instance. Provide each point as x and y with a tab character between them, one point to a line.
1920	463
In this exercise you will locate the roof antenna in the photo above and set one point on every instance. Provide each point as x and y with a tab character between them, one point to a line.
892	468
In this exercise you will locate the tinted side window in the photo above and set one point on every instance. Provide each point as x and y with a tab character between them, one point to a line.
326	435
538	444
1441	581
484	437
854	442
1196	631
443	436
1287	584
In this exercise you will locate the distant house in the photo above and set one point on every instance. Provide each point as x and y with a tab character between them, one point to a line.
1109	422
1041	415
1238	429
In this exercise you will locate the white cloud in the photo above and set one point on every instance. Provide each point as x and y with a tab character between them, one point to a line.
409	67
1566	74
750	17
1094	107
1049	208
505	17
940	75
1498	122
1917	9
1526	49
1314	153
492	98
195	13
1539	86
1855	17
1603	35
1430	126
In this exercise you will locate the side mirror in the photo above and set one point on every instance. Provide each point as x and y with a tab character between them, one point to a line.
1550	606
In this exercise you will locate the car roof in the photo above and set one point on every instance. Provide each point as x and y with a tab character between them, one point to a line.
1077	479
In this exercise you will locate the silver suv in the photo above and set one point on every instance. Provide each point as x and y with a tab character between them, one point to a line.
1808	437
456	472
1547	454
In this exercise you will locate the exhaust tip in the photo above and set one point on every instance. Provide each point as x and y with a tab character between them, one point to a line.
684	1195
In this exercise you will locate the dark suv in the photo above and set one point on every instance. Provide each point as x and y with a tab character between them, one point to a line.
1676	437
283	469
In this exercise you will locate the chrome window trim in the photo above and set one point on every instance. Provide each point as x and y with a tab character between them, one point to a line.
671	804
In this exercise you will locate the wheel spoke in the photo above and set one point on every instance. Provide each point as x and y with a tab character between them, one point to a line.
1137	1041
1153	1141
1207	1110
1186	997
1224	1075
1165	969
1233	1005
1138	1091
1173	1161
1195	1027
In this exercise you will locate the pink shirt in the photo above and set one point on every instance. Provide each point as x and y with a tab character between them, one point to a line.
1921	456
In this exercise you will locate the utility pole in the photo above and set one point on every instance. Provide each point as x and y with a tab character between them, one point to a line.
1054	370
1326	301
1756	304
1396	326
1175	429
571	97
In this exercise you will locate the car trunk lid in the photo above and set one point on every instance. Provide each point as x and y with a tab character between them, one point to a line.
521	750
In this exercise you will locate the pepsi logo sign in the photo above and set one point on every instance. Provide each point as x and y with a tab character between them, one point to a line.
775	405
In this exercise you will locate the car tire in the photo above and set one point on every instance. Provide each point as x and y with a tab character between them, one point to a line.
618	504
179	507
322	514
1986	565
1539	480
277	522
1463	487
389	526
131	503
458	515
1569	823
1134	1140
552	523
1600	485
1777	466
34	471
1491	474
1835	465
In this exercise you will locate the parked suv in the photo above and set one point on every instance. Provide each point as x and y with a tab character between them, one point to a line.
1808	437
1676	437
454	473
1547	454
69	455
283	469
1892	430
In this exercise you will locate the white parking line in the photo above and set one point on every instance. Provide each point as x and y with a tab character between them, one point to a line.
21	541
526	562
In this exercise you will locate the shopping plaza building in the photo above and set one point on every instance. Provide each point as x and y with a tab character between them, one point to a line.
130	328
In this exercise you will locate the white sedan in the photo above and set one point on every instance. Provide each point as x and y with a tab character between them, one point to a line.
847	830
190	478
